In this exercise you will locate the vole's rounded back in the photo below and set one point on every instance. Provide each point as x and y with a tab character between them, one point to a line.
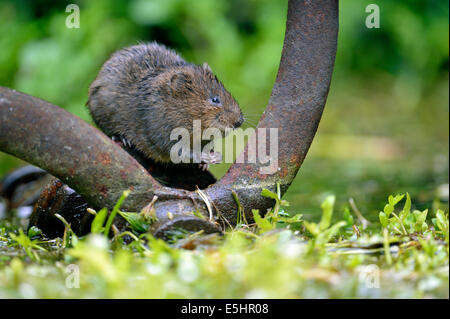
145	91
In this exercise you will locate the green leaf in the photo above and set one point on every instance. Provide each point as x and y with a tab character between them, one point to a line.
441	220
348	217
73	236
294	219
267	193
74	239
394	200
327	212
114	211
34	231
406	208
263	224
424	227
136	221
388	209
199	215
383	219
419	216
312	228
99	221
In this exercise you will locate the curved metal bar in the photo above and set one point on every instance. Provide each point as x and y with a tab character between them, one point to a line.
295	107
90	163
74	151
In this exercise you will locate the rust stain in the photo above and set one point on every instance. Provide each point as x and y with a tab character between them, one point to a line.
103	191
43	202
123	174
104	158
303	80
295	158
284	172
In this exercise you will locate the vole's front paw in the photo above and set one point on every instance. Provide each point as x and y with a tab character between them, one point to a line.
121	141
210	158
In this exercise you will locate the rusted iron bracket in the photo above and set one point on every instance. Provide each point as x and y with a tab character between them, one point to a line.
90	163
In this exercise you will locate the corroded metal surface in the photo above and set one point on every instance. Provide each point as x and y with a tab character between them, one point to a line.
74	151
78	154
61	199
99	170
295	106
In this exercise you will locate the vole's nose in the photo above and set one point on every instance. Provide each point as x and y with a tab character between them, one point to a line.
239	121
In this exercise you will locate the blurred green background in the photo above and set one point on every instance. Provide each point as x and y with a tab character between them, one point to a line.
385	128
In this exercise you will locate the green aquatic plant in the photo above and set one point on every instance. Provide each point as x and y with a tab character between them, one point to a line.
321	259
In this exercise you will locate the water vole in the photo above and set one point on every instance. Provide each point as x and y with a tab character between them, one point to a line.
145	91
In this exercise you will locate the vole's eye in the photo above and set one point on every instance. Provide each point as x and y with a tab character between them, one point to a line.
216	101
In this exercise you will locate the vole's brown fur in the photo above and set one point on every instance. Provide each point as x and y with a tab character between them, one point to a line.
145	91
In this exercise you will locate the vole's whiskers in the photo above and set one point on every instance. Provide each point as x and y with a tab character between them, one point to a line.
251	118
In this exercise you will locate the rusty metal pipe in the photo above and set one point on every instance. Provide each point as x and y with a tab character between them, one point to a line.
87	160
295	106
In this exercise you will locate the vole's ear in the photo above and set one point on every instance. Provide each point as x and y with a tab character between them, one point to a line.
206	67
180	82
